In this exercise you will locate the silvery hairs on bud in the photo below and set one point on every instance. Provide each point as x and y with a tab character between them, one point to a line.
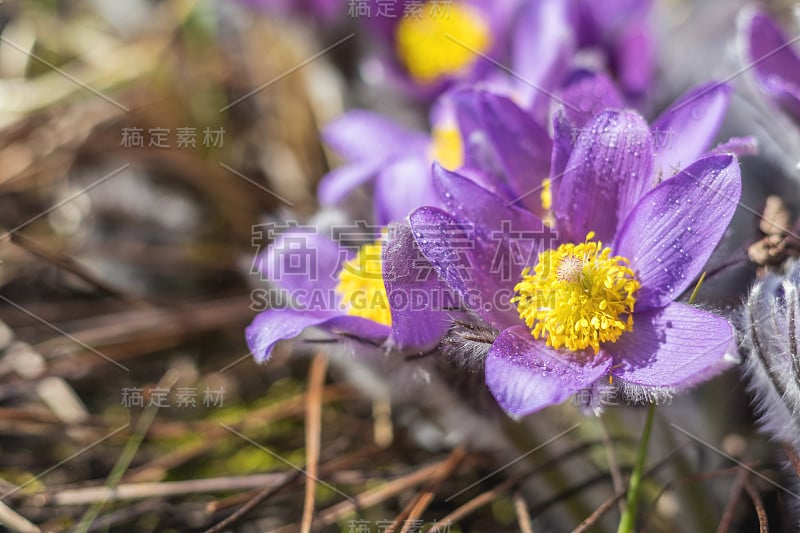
467	343
770	327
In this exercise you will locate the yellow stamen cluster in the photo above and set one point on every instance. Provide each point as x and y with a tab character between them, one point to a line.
440	41
578	296
447	148
361	285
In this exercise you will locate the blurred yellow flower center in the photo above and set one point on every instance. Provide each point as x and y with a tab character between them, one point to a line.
546	199
443	40
546	196
447	148
578	296
361	285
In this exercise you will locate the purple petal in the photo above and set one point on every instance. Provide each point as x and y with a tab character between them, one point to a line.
525	374
464	107
359	135
563	143
327	8
677	346
505	240
403	186
634	58
522	145
450	246
436	234
737	146
583	96
417	295
543	44
338	183
358	329
611	16
683	133
769	50
607	172
300	260
775	63
458	106
470	203
785	94
671	233
587	93
275	325
480	159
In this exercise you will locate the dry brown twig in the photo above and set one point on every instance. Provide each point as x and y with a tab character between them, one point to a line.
523	514
733	501
421	501
372	497
763	522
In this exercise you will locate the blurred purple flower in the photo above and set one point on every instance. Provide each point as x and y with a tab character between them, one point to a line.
428	46
312	297
347	292
775	65
398	163
428	49
395	159
550	34
586	311
620	29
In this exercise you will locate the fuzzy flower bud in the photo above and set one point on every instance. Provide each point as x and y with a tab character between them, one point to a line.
773	366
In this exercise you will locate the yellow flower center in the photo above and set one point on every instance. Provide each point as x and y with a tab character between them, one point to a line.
361	286
578	296
441	41
447	147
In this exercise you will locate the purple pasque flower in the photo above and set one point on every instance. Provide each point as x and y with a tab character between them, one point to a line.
427	46
396	159
550	35
324	10
345	289
595	302
775	64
